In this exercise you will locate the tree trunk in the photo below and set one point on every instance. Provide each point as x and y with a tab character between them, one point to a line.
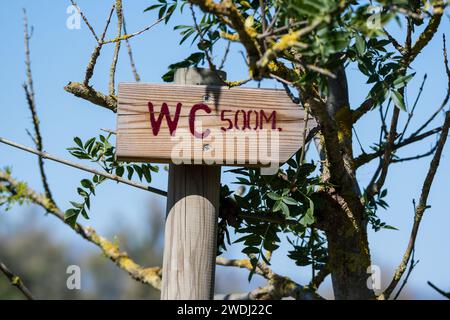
341	212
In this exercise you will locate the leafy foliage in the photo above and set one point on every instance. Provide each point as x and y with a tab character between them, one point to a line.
9	197
372	206
275	205
100	151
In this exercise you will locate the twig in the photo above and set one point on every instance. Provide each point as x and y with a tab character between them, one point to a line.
127	36
281	29
367	157
412	265
130	54
110	176
108	131
112	70
417	157
16	281
320	277
225	55
31	100
411	113
445	294
86	21
96	53
422	206
447	96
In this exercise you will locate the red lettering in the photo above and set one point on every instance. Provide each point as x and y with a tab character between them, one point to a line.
230	123
249	113
273	118
194	109
171	123
236	120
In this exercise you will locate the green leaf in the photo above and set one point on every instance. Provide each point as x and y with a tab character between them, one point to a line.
70	217
130	171
82	192
78	142
274	196
308	218
147	175
120	171
76	205
277	206
397	98
89	144
400	82
284	209
360	43
84	214
152	7
250	250
290	201
139	172
87	183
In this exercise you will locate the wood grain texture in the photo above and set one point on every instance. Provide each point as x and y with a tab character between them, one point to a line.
190	239
137	142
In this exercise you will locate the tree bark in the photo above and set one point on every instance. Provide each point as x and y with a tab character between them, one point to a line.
340	213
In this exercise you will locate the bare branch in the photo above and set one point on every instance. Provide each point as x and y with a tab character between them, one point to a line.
112	70
151	276
31	100
86	21
367	157
278	287
445	294
422	206
127	36
96	53
106	175
90	94
16	281
130	54
412	265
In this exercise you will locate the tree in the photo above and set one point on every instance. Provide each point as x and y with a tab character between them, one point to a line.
307	46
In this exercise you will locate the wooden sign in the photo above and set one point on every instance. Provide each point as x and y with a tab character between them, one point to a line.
199	124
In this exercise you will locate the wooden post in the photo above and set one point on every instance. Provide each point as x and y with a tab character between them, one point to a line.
190	240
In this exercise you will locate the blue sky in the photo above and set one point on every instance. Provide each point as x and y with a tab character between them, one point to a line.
60	55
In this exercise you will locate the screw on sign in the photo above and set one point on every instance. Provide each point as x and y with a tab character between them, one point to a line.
197	126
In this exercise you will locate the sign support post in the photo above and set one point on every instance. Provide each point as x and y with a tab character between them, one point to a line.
197	126
190	240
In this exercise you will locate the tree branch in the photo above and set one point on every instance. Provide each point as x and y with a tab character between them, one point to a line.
106	175
16	281
137	78
445	294
278	287
31	100
422	206
86	21
96	53
87	93
150	276
112	70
